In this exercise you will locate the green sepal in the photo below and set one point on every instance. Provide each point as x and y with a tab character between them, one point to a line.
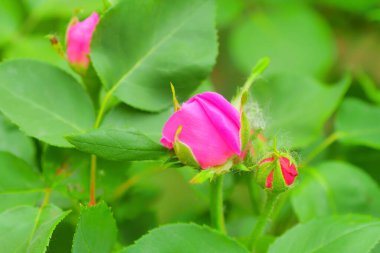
263	172
278	183
240	167
210	172
257	70
203	176
245	131
183	152
176	104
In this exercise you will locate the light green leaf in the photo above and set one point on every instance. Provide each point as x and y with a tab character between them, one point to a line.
335	188
10	19
358	123
349	233
96	231
157	42
44	9
294	37
19	183
228	11
118	144
292	103
15	142
28	229
185	238
44	101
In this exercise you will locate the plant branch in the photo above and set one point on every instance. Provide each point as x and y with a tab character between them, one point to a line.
321	147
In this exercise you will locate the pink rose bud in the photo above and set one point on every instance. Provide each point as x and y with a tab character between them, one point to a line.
79	35
276	173
204	132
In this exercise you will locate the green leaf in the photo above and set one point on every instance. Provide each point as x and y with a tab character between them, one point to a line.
335	188
96	230
118	144
349	233
19	183
10	19
228	11
351	5
44	9
28	229
44	101
150	124
294	37
294	105
15	142
140	46
185	238
358	123
39	48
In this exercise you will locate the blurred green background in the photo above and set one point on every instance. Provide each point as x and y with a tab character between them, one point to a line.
323	53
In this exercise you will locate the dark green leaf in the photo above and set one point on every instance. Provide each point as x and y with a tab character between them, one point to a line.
19	183
333	234
28	229
185	238
44	101
335	188
140	46
293	104
118	144
96	231
358	123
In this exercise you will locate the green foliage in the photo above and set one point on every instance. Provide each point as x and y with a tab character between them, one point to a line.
118	144
295	37
358	123
162	35
54	152
10	19
186	238
333	234
322	192
293	103
28	229
15	142
28	96
150	124
96	231
20	184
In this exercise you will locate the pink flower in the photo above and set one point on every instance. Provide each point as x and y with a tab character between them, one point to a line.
209	126
79	35
288	169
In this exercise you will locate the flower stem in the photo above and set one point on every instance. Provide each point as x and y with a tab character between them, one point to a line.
216	203
99	119
261	224
93	181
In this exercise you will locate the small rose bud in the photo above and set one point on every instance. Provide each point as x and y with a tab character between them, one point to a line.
204	131
276	173
78	36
